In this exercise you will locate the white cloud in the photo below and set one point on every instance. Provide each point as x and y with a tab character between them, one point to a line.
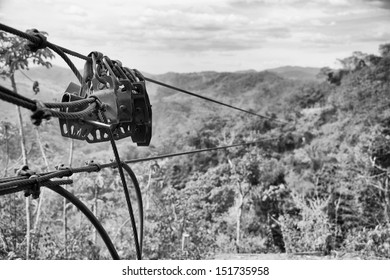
169	34
319	40
74	10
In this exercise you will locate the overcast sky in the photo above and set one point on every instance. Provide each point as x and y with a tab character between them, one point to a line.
197	35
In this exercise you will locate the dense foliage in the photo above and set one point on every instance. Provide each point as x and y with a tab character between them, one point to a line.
320	186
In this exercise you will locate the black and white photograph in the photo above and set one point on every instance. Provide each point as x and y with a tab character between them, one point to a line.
246	130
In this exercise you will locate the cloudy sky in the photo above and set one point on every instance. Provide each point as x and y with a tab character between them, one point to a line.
197	35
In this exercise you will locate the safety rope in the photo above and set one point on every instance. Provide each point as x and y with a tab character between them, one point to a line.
139	201
137	238
119	165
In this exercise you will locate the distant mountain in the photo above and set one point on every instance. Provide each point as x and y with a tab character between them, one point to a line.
296	72
260	91
52	84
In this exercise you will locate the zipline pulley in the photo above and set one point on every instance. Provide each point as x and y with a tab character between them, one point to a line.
122	95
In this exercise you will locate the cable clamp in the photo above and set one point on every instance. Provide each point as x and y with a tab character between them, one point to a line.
100	105
40	113
114	161
92	163
61	167
24	171
35	189
34	46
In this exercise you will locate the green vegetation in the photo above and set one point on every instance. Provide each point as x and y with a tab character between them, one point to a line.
321	187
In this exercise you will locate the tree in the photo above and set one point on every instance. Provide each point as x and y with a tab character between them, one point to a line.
245	175
354	62
324	73
15	55
384	50
7	131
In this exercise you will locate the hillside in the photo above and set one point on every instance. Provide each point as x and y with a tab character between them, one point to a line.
319	187
297	73
258	91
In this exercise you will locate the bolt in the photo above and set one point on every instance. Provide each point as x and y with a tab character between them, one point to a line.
123	108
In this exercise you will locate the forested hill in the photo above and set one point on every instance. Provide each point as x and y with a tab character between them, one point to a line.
320	186
263	92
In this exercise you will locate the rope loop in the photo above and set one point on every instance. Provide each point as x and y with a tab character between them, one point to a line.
38	44
100	105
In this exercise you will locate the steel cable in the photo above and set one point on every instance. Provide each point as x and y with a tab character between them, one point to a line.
61	53
24	74
91	217
139	201
138	246
72	104
59	50
18	188
40	179
199	151
19	100
74	115
20	180
19	33
211	100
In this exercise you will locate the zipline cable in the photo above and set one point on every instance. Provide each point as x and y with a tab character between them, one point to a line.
39	42
199	151
20	180
67	172
17	99
24	74
119	165
61	53
210	100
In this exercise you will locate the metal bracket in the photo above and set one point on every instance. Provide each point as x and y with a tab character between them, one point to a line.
122	96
